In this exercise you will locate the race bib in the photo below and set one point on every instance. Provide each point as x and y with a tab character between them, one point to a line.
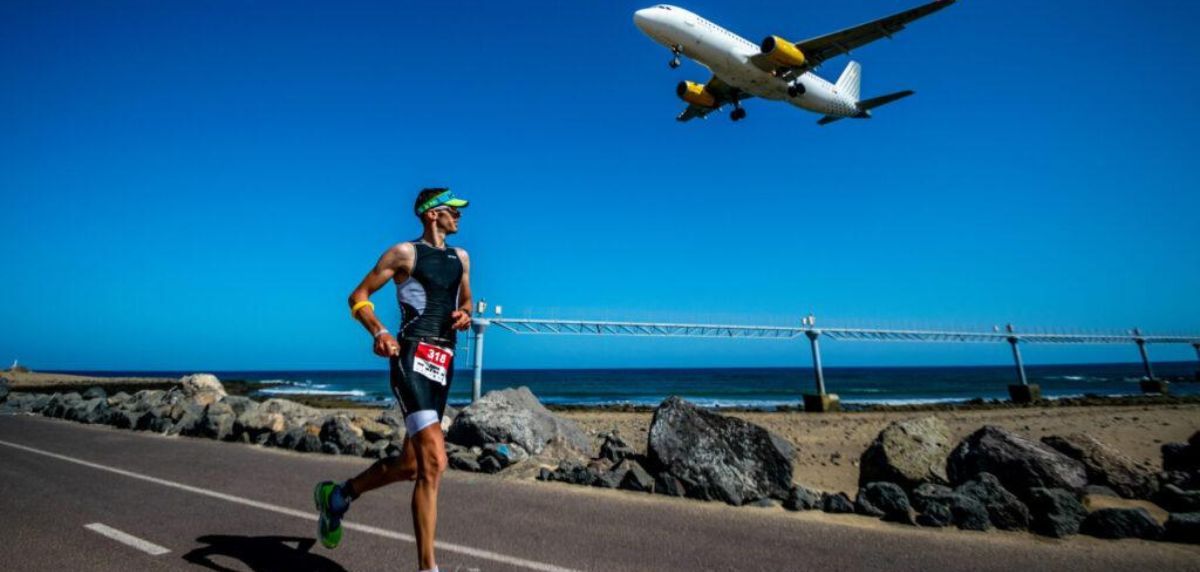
432	361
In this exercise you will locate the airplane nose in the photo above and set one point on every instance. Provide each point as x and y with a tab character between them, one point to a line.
642	17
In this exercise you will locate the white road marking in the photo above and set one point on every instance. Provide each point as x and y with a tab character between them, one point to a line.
128	539
447	546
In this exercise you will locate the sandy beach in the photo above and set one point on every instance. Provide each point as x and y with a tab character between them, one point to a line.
50	381
828	445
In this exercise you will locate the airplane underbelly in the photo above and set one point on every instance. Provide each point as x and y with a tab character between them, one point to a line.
752	80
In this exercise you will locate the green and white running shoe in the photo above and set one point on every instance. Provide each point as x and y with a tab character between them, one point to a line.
329	525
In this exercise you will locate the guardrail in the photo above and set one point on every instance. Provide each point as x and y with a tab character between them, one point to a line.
1023	391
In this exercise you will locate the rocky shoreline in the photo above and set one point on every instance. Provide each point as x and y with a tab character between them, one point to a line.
914	472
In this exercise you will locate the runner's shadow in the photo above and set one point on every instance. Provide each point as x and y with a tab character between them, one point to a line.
260	553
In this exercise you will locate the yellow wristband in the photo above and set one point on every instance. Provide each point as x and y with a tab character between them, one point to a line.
359	306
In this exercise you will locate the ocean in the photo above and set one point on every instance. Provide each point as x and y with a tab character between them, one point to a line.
732	387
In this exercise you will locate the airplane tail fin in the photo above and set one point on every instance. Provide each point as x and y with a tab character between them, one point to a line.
847	84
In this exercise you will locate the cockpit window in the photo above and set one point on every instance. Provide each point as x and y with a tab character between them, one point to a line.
664	7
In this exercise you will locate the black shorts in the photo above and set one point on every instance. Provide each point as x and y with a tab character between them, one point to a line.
417	375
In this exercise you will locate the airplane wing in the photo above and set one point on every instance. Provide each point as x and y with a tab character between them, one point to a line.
817	50
723	92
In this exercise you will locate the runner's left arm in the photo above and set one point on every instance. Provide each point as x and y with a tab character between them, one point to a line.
462	316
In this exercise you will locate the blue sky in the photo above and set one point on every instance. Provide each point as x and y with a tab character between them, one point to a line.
199	185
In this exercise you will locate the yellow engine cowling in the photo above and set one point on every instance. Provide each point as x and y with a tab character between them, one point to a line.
783	52
695	94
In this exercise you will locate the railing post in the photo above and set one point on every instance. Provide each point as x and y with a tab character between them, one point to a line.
1196	346
1149	385
1023	392
478	325
816	356
820	402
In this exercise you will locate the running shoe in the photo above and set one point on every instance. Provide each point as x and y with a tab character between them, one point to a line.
329	525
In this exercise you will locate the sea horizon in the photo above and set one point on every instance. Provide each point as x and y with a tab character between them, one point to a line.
721	387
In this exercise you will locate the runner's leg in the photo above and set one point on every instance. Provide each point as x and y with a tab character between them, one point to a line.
431	463
385	472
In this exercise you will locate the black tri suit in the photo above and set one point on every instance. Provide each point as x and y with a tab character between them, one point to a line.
422	373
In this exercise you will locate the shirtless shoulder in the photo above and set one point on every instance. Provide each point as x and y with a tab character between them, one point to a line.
399	258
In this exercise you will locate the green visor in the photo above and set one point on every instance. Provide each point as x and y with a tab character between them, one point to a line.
444	199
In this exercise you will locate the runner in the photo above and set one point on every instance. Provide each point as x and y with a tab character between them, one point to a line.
434	291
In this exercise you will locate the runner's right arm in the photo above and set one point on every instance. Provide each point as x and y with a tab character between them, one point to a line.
395	263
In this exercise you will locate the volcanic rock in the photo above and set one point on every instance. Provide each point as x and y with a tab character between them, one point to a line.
348	439
636	478
1105	465
615	449
1019	463
1176	499
908	453
718	457
1005	510
1122	523
514	416
202	388
1181	457
1183	527
1055	512
886	500
802	498
836	503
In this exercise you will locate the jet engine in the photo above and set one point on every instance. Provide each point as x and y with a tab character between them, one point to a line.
783	52
695	94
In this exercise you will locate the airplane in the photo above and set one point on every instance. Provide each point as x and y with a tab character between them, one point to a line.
775	69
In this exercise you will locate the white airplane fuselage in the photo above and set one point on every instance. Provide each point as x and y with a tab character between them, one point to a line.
727	56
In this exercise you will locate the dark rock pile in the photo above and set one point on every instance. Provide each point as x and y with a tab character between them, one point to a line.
199	407
1005	481
695	453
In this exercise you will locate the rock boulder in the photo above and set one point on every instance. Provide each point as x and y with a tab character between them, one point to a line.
886	500
908	453
202	388
1019	463
1105	465
802	498
615	449
718	457
1055	512
1181	456
516	417
1122	523
636	478
837	503
1176	499
1183	527
338	430
1005	510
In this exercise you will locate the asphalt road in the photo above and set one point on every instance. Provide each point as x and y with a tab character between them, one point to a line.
225	506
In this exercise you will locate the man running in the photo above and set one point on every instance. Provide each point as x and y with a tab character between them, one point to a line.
434	291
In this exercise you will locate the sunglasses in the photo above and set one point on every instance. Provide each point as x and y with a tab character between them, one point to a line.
453	212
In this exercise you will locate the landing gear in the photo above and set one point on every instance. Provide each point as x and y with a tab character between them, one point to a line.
737	114
796	90
676	50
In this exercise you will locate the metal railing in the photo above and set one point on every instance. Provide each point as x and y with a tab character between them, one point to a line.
530	326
